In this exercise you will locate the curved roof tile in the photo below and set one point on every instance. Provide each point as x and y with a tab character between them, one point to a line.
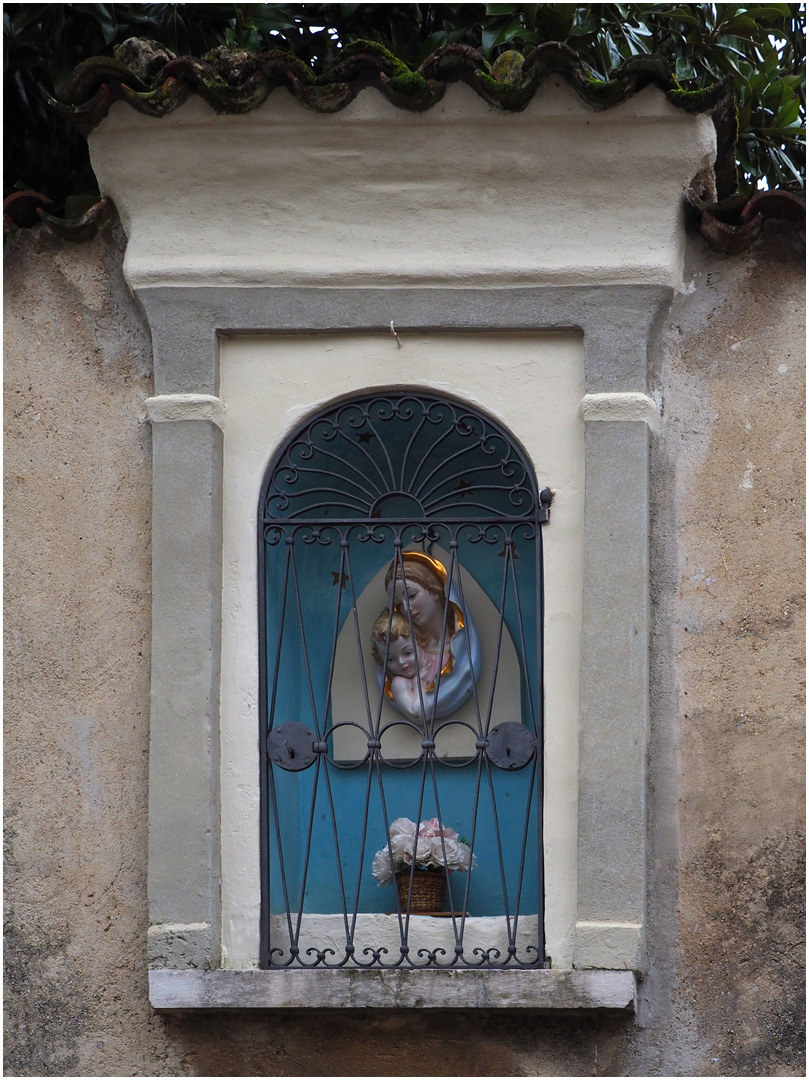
155	81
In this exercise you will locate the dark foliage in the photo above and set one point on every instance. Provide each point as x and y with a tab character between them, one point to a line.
761	46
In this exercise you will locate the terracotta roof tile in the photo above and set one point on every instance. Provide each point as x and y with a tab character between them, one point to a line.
155	82
732	224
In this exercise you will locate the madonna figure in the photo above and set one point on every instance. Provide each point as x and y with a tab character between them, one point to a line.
433	675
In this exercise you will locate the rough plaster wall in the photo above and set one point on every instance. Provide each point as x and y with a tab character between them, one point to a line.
77	551
723	992
728	476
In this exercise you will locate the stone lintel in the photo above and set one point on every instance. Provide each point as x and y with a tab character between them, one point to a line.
615	321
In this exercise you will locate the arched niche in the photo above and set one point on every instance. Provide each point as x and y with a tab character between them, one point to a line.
361	484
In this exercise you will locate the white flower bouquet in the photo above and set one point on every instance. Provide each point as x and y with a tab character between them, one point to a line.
431	845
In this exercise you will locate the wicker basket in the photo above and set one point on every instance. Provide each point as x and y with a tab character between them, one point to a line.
429	890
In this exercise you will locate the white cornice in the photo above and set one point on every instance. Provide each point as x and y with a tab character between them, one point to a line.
461	196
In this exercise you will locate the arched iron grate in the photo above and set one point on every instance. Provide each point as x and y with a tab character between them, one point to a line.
431	491
400	457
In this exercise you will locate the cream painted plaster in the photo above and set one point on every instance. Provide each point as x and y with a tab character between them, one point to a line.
268	385
378	196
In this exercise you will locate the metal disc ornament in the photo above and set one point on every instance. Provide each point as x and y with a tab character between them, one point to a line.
510	746
291	746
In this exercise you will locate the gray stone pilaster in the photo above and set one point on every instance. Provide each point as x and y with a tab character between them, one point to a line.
614	697
183	881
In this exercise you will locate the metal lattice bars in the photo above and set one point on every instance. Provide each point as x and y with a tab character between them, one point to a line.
447	724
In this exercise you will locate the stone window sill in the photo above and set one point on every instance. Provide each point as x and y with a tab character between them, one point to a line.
539	989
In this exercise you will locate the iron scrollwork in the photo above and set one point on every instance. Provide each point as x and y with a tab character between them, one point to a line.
400	480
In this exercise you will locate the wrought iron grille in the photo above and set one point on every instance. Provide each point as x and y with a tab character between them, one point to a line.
412	520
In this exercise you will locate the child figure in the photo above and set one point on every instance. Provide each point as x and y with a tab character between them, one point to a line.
412	667
436	674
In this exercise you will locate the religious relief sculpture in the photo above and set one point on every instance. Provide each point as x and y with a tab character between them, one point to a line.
425	646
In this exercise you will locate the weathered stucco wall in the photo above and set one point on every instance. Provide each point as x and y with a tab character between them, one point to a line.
728	580
77	553
723	995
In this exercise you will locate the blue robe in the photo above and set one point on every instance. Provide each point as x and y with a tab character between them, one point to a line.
458	676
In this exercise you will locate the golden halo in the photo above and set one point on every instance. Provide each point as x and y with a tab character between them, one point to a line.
437	567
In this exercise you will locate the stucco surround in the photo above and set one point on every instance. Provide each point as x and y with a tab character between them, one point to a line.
559	221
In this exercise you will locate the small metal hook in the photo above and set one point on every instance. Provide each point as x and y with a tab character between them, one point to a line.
393	331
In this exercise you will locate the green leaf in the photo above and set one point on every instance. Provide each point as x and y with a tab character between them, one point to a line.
679	15
787	164
712	71
615	58
636	42
758	82
435	41
268	22
737	24
771	61
500	34
585	22
439	39
788	114
745	69
23	15
557	21
683	69
769	12
105	16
